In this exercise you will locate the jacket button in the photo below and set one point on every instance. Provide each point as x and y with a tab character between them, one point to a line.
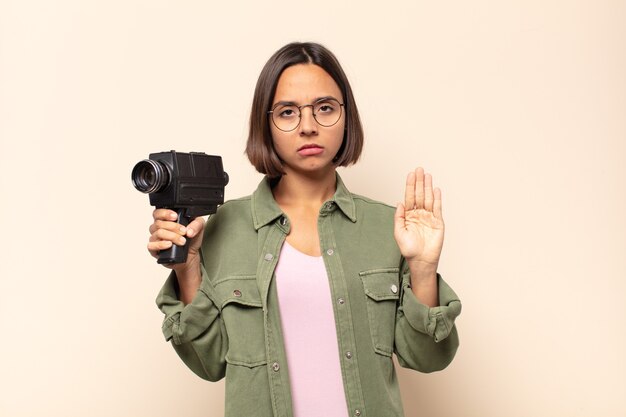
349	355
330	252
283	221
357	412
394	288
269	257
237	293
275	366
341	301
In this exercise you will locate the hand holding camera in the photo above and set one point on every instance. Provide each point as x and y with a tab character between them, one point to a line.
165	232
183	187
189	184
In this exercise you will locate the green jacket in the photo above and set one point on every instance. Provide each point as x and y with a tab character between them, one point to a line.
232	327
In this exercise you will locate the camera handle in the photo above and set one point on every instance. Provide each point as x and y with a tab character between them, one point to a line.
177	254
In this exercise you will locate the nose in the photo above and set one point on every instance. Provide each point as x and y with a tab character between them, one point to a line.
308	125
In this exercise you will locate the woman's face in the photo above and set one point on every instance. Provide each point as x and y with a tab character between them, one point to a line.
311	147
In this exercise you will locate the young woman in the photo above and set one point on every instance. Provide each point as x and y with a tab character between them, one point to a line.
300	293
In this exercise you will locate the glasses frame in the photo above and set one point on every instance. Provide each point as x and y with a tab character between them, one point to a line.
341	106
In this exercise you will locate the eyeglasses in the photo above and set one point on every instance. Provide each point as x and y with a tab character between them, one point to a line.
286	116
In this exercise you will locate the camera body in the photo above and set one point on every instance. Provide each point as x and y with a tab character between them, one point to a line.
192	184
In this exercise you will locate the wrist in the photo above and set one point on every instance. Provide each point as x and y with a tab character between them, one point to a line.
423	273
421	265
188	276
424	283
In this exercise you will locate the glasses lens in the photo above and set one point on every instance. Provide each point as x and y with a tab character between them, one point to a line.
286	117
327	112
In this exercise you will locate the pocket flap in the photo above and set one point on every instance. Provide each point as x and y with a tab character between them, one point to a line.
254	364
241	290
381	284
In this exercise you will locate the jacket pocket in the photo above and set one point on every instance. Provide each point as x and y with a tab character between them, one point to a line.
382	288
242	315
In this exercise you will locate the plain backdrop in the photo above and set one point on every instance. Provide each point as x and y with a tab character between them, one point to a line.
517	108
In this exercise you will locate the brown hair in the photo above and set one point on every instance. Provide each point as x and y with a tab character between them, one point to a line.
260	147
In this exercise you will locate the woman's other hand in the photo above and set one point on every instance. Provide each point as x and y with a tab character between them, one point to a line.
418	225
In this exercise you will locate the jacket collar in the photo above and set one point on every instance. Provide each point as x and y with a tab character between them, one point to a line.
265	209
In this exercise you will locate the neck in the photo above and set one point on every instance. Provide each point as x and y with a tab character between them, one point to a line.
297	189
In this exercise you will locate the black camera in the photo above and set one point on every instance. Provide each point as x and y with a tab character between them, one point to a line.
192	184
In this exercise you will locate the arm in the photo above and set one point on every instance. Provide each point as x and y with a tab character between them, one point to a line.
192	319
195	328
426	338
419	230
165	232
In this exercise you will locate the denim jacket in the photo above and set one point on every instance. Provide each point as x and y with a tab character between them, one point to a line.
232	327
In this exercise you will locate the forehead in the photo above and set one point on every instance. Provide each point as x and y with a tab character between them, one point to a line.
304	83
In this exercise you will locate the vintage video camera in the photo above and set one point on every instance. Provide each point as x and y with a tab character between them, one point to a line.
192	184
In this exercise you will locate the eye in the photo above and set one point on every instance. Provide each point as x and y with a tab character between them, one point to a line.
286	112
324	107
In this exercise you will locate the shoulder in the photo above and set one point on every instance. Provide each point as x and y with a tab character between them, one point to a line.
374	231
234	213
371	203
228	229
372	207
235	205
229	245
373	216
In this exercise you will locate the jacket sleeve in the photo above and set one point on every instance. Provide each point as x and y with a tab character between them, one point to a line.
426	338
196	329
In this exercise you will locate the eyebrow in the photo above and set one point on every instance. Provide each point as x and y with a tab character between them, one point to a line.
293	103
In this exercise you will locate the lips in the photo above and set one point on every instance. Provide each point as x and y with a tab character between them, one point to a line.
310	149
309	146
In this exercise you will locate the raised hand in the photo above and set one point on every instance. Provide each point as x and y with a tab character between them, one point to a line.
418	222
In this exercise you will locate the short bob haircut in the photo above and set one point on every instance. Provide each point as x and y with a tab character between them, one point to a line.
260	146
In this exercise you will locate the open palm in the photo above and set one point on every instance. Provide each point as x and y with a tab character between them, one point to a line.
418	222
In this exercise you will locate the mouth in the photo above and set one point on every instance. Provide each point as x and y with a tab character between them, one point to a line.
310	146
310	149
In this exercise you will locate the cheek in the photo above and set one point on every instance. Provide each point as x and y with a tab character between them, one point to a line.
280	142
339	132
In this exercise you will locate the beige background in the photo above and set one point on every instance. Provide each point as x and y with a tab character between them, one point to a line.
517	108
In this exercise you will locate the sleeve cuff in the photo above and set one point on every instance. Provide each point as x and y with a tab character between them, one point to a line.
184	322
436	322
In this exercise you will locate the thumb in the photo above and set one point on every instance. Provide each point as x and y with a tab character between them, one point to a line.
398	218
196	227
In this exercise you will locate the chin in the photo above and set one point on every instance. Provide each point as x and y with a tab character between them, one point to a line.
313	169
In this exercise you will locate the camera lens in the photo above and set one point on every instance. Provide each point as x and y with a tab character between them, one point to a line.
150	176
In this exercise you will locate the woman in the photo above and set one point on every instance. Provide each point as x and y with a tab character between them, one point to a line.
299	294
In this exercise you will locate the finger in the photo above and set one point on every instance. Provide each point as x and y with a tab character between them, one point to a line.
155	247
409	192
162	234
437	204
171	226
428	192
419	188
164	214
195	227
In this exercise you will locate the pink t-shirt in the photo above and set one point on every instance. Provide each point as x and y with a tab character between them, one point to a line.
308	325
